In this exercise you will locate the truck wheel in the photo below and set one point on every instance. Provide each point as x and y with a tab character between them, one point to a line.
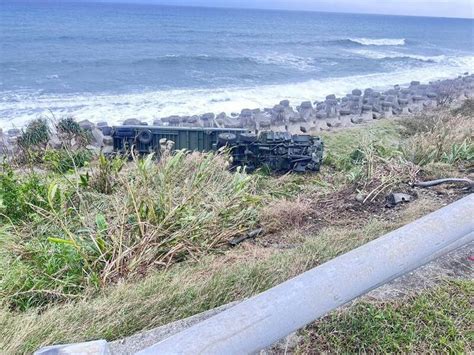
248	137
145	136
227	138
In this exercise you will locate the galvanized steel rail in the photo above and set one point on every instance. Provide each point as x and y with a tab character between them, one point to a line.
270	316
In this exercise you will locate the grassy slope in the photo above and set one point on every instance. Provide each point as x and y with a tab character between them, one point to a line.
188	289
191	287
434	321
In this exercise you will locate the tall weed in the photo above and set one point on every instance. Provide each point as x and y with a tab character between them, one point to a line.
153	215
440	137
19	193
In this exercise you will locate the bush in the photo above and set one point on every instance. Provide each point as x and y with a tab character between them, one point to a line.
103	177
68	125
71	134
35	135
440	137
33	142
18	195
184	206
64	160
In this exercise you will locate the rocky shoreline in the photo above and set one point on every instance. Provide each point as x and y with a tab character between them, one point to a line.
311	117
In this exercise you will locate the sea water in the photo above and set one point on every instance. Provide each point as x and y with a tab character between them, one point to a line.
116	61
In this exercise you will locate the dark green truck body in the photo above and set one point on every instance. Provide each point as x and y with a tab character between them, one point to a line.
278	151
192	138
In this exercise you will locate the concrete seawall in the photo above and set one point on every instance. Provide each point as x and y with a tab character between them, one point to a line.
357	107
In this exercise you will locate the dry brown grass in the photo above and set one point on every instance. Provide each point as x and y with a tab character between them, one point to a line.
190	288
438	136
284	215
319	216
152	216
465	109
384	175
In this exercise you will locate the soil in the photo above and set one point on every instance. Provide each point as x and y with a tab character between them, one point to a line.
342	209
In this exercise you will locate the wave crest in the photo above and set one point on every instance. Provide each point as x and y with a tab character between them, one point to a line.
16	108
279	59
372	54
379	41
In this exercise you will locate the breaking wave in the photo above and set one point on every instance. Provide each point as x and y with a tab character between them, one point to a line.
287	60
373	54
19	107
274	58
379	41
281	59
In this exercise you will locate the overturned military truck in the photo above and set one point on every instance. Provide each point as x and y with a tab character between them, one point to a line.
278	151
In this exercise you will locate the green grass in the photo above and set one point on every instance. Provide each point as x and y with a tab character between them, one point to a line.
114	248
165	296
18	194
62	161
187	288
344	142
81	239
433	321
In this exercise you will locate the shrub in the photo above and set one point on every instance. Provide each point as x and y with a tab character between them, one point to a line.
103	177
68	125
19	194
64	160
447	96
71	134
184	206
33	142
440	137
35	135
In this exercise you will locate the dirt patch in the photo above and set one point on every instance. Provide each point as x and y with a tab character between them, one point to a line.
305	217
286	222
342	208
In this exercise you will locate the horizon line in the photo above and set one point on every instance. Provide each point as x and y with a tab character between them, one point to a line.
128	2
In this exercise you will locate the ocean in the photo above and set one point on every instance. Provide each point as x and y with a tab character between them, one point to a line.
117	61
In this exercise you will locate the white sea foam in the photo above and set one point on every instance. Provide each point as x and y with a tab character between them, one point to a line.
374	54
380	41
16	109
287	60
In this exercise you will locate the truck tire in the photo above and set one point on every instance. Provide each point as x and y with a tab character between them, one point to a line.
145	136
248	137
227	138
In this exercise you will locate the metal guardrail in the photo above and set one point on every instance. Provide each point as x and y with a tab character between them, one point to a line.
270	316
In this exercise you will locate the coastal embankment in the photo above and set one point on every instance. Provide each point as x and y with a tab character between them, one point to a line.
96	248
359	106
